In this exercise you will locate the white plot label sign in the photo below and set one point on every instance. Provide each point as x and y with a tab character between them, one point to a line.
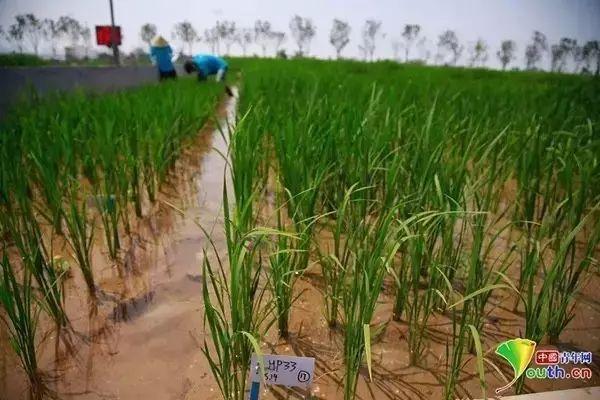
283	370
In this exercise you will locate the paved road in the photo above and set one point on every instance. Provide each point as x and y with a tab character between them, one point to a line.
15	82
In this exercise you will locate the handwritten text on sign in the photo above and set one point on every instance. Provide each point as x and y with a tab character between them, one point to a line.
284	370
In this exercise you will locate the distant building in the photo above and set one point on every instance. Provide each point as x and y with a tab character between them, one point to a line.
77	52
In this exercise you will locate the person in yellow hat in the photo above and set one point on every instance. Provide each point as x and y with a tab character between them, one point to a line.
162	56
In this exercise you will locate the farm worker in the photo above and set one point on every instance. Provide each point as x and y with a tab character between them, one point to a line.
206	65
162	54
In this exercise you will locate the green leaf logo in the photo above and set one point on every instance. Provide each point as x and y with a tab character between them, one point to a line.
518	353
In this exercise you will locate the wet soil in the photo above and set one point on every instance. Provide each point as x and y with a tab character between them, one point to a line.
142	340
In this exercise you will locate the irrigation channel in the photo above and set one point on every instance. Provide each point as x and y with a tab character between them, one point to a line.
144	340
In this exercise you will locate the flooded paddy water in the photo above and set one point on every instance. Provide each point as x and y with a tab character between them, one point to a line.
142	340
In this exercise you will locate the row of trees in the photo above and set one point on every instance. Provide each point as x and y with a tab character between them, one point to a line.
449	48
221	36
28	29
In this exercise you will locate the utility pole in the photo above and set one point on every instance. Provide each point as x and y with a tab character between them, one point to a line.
113	38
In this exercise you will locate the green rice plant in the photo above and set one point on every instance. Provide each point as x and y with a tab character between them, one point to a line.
80	236
481	270
134	160
334	272
564	274
455	348
534	301
452	235
285	264
36	257
105	200
38	260
421	232
373	251
21	313
419	305
104	172
303	216
460	339
402	288
283	269
548	290
50	179
236	306
109	215
248	172
333	266
530	174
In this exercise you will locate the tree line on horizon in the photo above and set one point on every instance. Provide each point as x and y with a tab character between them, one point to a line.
585	58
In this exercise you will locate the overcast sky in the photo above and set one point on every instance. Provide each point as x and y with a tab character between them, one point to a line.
491	20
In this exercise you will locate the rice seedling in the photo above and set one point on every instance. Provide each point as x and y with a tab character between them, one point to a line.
50	179
106	188
373	251
566	283
549	309
21	317
334	266
238	312
419	306
18	220
80	238
37	259
286	262
247	171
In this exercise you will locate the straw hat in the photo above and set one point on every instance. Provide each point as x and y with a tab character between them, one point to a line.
159	41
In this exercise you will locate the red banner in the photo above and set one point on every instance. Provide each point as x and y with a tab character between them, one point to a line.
104	35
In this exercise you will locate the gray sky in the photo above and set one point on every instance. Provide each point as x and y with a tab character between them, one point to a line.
492	20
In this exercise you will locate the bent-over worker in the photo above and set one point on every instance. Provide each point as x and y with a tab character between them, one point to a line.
206	65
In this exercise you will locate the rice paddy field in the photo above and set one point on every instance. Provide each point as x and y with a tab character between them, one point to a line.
394	222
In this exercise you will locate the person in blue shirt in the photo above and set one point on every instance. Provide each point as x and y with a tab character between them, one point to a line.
162	56
206	65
